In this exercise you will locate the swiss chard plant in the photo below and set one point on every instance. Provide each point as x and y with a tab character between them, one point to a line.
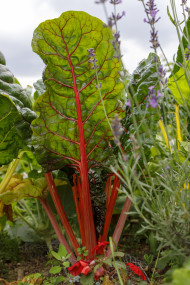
79	97
72	129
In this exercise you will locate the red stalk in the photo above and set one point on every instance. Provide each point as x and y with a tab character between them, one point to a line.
57	230
85	200
120	225
110	208
76	199
61	212
108	190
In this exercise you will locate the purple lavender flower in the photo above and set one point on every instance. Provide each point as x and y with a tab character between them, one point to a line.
117	17
154	39
187	54
184	2
151	12
92	59
153	102
98	87
152	97
117	129
162	74
91	52
128	103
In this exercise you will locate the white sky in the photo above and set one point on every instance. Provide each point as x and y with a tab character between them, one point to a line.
19	19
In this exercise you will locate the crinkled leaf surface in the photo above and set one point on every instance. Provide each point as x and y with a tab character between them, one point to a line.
19	188
40	88
144	76
15	117
71	112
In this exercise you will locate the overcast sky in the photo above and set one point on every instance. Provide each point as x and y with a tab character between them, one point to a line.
19	19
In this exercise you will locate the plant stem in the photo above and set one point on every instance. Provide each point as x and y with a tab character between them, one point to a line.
76	190
110	208
56	227
84	198
108	190
60	210
120	225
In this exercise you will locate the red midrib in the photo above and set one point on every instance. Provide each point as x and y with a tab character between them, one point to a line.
86	207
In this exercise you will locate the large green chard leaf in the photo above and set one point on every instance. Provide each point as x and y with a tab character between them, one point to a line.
72	120
15	117
144	76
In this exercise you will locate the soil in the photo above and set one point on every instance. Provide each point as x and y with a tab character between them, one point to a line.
33	258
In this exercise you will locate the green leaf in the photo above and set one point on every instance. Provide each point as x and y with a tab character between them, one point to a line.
56	255
170	17
144	76
108	261
71	110
87	280
62	250
60	279
119	254
15	117
179	59
19	188
40	88
55	270
180	87
120	264
66	264
2	59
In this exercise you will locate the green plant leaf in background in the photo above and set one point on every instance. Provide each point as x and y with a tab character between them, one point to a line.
72	102
19	188
180	87
144	76
15	116
179	58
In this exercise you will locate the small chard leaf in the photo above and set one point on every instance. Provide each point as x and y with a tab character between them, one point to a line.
62	250
15	117
87	280
59	279
56	255
72	123
55	270
120	264
66	264
108	261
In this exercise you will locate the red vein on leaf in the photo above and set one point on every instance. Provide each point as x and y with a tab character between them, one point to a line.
97	105
97	125
59	112
64	156
97	143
